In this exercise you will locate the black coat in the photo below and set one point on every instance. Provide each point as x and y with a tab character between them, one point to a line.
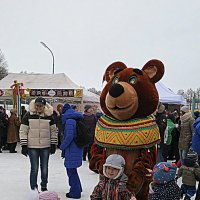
161	121
3	125
168	191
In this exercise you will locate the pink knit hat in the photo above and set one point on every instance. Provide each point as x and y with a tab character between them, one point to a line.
47	195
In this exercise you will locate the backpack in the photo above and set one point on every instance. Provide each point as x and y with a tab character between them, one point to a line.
83	137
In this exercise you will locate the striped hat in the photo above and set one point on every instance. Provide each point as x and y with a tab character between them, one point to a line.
47	195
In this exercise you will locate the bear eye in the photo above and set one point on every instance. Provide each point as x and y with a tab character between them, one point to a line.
116	80
132	80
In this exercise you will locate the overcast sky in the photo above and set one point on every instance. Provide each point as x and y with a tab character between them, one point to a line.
88	35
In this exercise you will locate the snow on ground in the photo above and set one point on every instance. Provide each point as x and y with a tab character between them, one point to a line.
14	176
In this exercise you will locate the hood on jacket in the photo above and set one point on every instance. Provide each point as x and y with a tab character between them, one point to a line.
48	110
186	117
71	114
115	161
196	122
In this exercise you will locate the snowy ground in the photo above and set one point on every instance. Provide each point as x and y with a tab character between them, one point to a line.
14	177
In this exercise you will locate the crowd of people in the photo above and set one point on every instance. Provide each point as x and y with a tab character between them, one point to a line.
9	130
180	143
41	131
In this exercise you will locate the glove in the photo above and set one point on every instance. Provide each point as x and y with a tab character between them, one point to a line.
24	150
63	154
53	148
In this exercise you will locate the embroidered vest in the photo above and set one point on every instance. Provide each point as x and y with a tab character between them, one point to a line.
128	134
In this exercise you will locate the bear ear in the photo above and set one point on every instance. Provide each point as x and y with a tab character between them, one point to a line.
110	71
154	69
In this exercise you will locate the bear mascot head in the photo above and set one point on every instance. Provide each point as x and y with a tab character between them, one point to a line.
127	127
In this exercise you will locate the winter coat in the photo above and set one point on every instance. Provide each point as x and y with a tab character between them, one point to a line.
166	191
161	121
189	175
111	189
38	130
3	125
196	136
186	131
73	154
13	129
90	121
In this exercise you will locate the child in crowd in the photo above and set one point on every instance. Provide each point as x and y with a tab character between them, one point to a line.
47	195
112	184
190	173
164	186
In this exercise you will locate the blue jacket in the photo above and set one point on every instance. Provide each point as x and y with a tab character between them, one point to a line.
73	154
196	136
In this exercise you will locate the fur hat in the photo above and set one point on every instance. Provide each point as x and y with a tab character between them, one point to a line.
164	172
87	107
65	108
185	109
40	100
161	108
115	161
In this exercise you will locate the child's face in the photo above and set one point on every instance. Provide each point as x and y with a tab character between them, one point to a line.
111	172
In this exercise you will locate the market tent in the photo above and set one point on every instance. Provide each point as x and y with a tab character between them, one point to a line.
45	81
168	96
39	81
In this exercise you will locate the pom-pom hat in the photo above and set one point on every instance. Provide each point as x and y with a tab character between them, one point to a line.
164	172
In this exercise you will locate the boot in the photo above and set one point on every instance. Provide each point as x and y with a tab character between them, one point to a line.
6	147
43	188
12	147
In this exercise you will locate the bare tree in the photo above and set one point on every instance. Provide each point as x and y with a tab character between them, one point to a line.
3	66
189	96
197	94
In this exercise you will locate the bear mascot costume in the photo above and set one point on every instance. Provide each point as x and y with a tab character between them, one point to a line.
127	127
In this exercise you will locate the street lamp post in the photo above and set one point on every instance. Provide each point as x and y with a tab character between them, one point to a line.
43	44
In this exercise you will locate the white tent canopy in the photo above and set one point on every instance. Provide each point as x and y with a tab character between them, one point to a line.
46	81
168	96
39	81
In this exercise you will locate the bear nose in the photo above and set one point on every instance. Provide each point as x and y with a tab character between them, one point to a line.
116	90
